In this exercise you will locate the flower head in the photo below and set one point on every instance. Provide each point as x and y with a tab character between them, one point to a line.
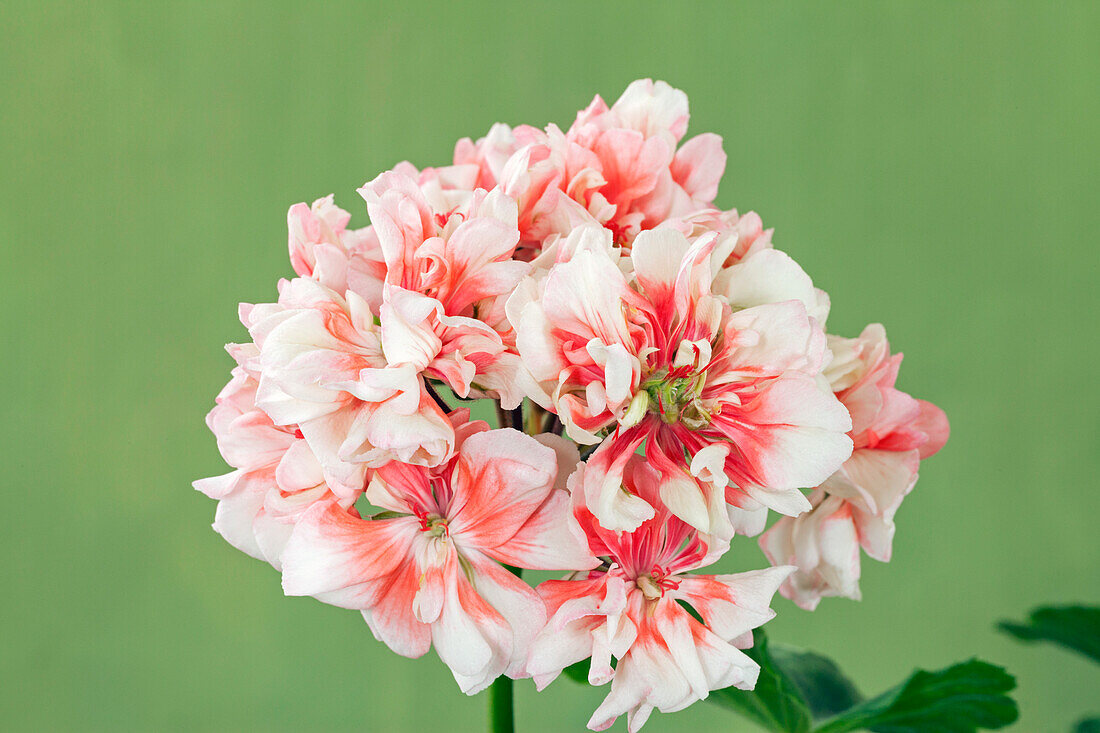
584	280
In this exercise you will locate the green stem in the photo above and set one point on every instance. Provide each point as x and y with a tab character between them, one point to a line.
501	716
501	707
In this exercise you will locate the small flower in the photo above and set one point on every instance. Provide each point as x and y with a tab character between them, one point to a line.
633	143
489	154
323	367
276	476
616	166
855	507
823	544
427	570
342	259
588	271
448	272
636	610
726	401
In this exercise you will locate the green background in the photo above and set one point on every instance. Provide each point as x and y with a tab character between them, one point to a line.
934	167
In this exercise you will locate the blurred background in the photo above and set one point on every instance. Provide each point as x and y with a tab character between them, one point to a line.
933	166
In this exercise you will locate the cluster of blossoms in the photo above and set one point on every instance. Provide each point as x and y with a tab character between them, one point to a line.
585	281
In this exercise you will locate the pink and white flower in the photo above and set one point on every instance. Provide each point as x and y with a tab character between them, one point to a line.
723	399
617	166
630	610
823	544
855	507
276	476
428	571
632	145
448	273
342	259
326	367
489	154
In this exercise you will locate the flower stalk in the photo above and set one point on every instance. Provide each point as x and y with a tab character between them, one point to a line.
501	706
502	716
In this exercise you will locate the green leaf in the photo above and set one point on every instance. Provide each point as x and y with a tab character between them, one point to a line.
826	690
1087	725
1074	627
959	699
796	686
775	703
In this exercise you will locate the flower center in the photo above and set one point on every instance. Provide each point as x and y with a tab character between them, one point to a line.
674	396
649	587
446	222
654	585
620	235
433	524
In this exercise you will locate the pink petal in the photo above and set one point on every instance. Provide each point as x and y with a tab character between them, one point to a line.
657	255
271	534
237	510
470	636
390	617
733	604
252	441
787	339
875	480
402	220
500	478
517	603
585	296
771	276
549	540
382	434
631	164
698	166
407	333
339	558
652	108
933	422
792	435
602	483
298	469
217	487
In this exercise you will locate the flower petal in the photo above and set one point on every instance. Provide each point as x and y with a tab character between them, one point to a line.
339	558
498	481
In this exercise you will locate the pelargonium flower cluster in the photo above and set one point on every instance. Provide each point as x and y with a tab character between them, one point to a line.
585	281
